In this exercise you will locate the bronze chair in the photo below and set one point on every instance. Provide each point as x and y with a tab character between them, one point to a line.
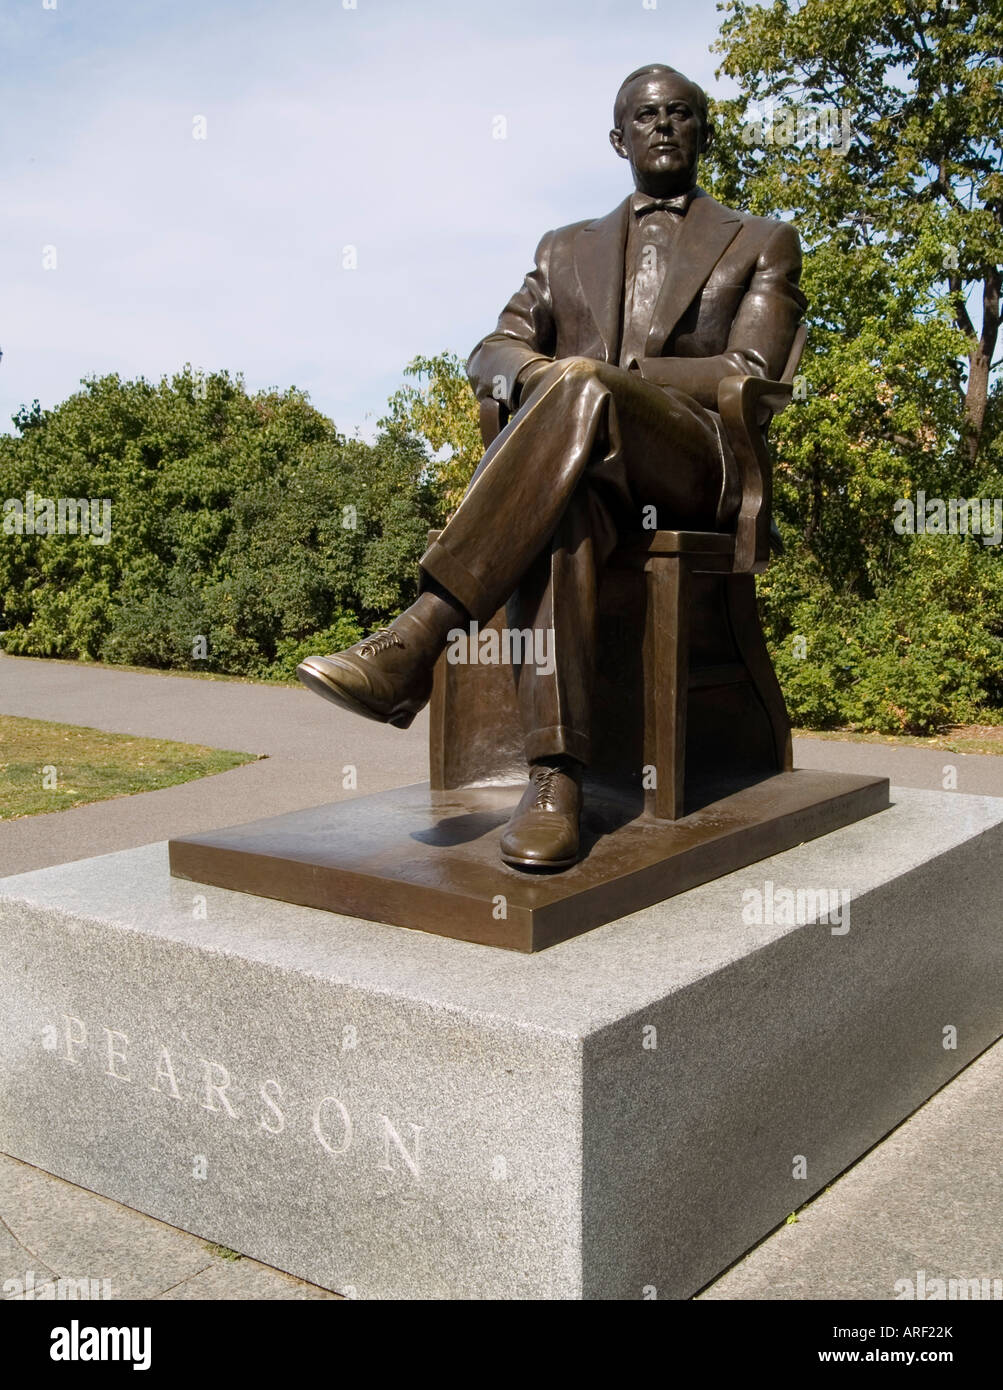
677	613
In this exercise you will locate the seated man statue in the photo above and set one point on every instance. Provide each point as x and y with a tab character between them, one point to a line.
608	361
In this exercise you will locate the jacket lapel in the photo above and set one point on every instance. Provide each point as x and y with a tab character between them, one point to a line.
599	255
707	230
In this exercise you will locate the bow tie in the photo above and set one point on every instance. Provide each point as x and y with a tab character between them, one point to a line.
642	205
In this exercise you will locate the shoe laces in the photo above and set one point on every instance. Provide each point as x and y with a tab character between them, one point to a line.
380	642
546	778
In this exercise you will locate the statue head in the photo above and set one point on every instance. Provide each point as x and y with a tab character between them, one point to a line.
660	126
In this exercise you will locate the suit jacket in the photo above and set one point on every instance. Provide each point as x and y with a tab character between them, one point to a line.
729	303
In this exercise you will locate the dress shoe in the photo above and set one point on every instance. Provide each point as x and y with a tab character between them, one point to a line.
543	830
386	677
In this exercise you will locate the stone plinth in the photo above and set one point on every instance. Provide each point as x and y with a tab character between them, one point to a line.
398	1115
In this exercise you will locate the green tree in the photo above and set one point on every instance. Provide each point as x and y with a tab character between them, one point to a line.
242	527
921	181
903	228
442	410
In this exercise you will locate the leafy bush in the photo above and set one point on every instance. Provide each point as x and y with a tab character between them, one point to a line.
925	651
291	651
247	534
243	528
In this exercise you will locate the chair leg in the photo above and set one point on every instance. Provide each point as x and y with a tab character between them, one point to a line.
666	683
747	630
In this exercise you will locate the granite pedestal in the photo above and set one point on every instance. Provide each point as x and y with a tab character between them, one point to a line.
397	1115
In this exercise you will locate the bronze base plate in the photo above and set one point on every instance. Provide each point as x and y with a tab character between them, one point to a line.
429	860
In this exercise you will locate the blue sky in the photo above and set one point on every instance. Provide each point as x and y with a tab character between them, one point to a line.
325	127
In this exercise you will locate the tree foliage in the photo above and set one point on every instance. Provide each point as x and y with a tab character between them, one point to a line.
903	233
246	521
442	410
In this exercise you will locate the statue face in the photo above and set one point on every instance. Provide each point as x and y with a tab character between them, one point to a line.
662	134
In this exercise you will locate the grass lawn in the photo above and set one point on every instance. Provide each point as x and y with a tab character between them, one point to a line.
48	767
963	738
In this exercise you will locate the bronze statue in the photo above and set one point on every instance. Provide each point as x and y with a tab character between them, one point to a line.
607	363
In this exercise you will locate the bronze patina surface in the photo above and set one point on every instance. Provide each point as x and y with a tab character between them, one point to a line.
627	388
429	860
589	611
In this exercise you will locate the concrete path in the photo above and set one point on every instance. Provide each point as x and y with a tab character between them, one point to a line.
51	1231
927	1198
306	743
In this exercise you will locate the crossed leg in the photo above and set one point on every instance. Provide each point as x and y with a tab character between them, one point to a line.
589	449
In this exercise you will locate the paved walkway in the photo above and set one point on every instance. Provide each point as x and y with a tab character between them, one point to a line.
306	744
928	1197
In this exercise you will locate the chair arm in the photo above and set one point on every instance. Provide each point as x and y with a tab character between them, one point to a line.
774	394
741	402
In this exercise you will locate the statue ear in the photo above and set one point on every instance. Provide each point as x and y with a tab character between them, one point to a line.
616	140
707	139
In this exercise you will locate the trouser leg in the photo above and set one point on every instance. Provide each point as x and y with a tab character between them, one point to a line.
578	463
555	608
